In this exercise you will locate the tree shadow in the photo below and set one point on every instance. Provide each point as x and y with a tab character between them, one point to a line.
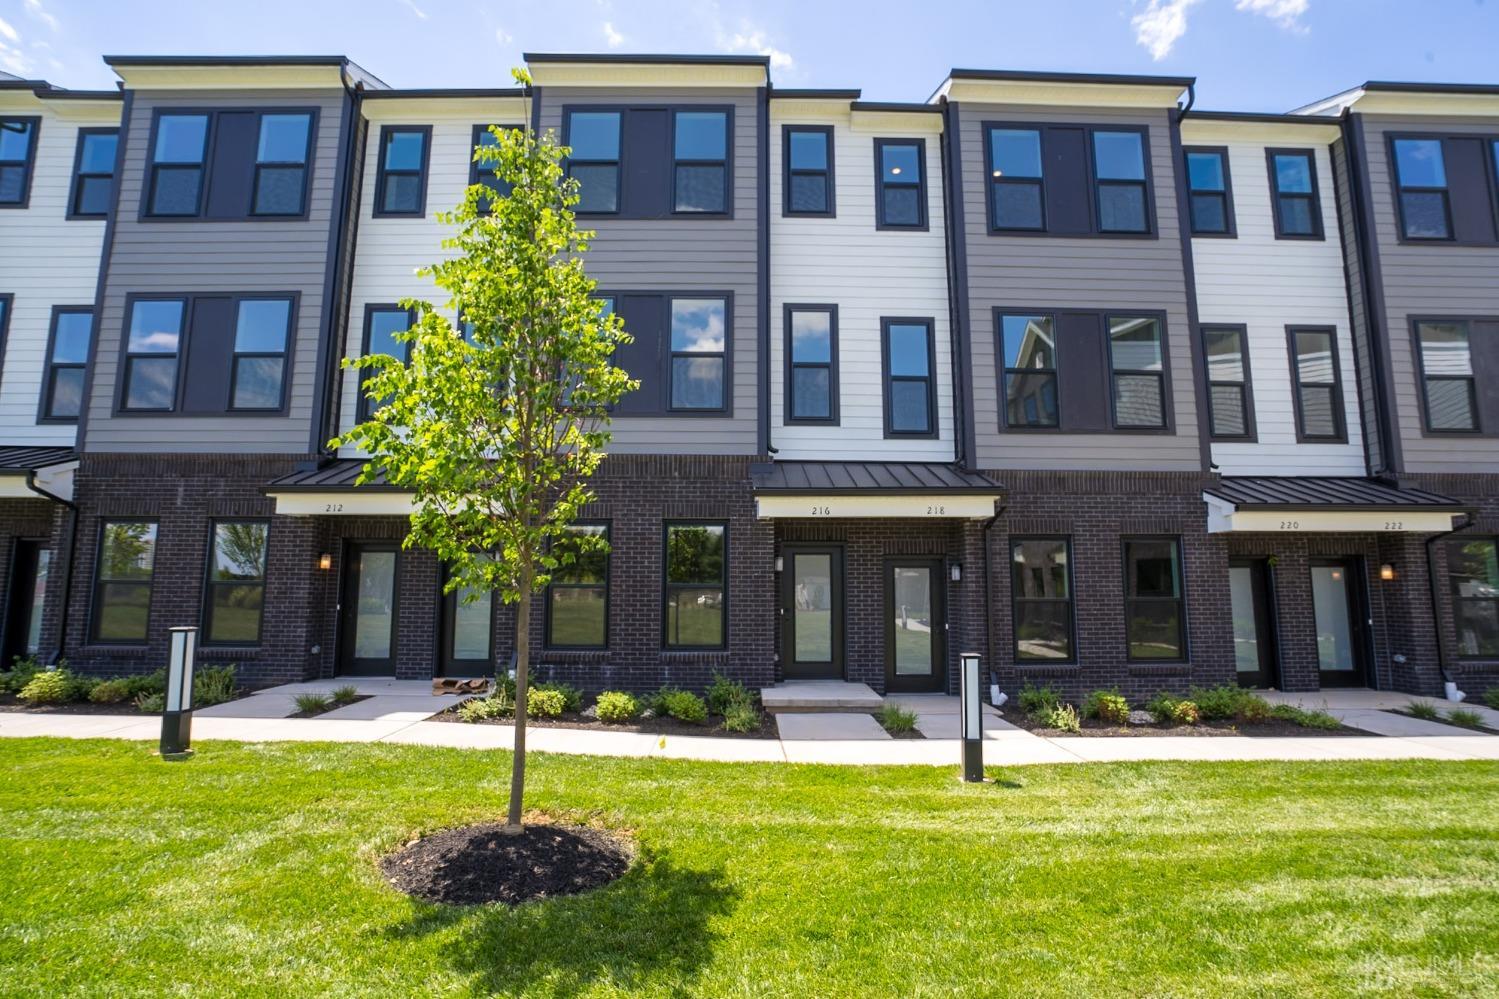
651	927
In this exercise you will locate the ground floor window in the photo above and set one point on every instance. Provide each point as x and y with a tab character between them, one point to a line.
122	588
1473	574
578	598
1153	608
696	556
235	594
1041	590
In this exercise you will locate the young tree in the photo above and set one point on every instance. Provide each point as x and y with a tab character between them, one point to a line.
496	427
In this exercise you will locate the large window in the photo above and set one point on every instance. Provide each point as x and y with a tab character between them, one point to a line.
1068	179
401	187
1041	589
1119	176
1016	194
1421	173
1319	394
177	165
122	587
262	327
235	597
808	178
93	173
381	324
1210	202
696	572
1449	388
281	152
230	163
1293	192
1473	574
577	612
1154	614
67	361
910	403
593	137
17	154
1230	416
811	364
700	162
1136	358
698	353
901	196
152	350
1029	345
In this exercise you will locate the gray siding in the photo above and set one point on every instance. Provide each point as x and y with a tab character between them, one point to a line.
1085	273
1358	312
1427	279
678	254
195	256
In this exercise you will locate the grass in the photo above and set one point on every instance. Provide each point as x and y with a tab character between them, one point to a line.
1423	710
250	870
895	719
312	703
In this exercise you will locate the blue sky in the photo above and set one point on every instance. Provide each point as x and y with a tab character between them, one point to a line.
1257	55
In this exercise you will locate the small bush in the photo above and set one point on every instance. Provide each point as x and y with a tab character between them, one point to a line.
1254	710
1465	718
477	709
21	672
51	686
741	718
345	694
1491	698
1037	702
1230	701
725	694
1107	705
311	703
572	697
1306	719
114	691
153	703
895	719
1169	710
1421	709
213	686
685	706
614	707
543	702
148	683
1064	717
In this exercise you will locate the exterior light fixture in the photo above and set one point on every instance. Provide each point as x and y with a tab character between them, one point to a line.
1387	572
955	572
177	718
970	714
325	561
779	564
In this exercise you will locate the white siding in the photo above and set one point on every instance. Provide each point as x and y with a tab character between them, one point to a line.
845	261
1266	285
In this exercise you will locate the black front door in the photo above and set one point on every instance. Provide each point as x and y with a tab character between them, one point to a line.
915	625
368	609
26	594
1254	634
1339	619
812	611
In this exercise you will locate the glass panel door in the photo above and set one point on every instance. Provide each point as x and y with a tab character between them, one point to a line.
369	610
466	634
813	606
1335	609
22	623
1250	599
914	625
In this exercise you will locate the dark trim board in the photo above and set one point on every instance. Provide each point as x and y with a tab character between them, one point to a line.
1198	350
106	255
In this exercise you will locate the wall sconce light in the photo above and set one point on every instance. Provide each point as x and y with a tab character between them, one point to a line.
955	572
779	564
325	561
1387	572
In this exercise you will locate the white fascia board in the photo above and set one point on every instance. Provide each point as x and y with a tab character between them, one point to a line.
1053	93
1225	518
52	482
903	122
648	74
1198	132
250	77
342	503
421	110
932	506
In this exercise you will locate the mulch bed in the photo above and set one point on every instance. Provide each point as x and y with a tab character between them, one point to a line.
654	726
332	706
1094	727
478	864
12	703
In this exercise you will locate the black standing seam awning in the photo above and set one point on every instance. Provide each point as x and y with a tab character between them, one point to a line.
1329	494
892	478
29	459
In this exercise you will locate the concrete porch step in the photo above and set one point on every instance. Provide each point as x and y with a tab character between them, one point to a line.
819	695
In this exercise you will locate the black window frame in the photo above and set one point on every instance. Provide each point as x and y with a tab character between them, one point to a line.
618	163
1147	208
422	174
1339	416
880	183
7	304
1151	230
28	165
828	174
49	366
667	586
1314	198
992	181
671	353
447	661
887	379
209	584
789	416
79	176
1005	371
127	356
547	613
728	156
367	405
153	169
1422	378
285	354
208	166
1399	189
1016	540
1163	376
1246	386
486	177
305	165
1183	631
1231	229
1458	601
96	590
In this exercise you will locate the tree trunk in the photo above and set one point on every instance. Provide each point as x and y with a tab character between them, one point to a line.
522	669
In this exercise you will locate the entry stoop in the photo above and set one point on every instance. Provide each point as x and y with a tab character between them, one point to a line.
819	695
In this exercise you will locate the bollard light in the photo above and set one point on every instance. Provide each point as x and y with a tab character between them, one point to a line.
177	719
971	718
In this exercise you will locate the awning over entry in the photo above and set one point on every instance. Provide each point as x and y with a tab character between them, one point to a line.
1321	504
37	473
329	491
822	489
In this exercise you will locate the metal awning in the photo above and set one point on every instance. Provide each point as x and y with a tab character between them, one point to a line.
1317	504
329	490
821	489
37	473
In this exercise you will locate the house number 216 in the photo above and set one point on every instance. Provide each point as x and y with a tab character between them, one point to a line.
822	511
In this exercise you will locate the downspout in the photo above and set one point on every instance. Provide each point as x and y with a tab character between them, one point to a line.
1431	583
999	511
70	543
955	257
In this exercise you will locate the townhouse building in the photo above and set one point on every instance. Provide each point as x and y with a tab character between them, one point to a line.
1056	368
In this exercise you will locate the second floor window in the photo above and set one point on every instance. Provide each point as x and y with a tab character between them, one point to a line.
1029	343
698	353
808	178
700	162
401	187
177	164
593	137
381	324
1293	191
281	155
261	329
235	597
910	404
152	349
67	361
17	153
811	364
1314	373
901	195
1421	171
1119	173
1449	387
1135	355
1211	208
1227	350
93	173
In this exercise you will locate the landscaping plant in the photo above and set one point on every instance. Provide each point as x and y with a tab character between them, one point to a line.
741	718
1491	698
895	719
151	703
311	703
51	686
1063	717
1423	709
346	694
547	702
1037	702
615	707
22	669
477	709
1304	717
1465	718
213	685
111	692
572	697
1169	710
685	706
1107	705
724	693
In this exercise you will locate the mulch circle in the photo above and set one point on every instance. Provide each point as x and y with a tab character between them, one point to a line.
474	865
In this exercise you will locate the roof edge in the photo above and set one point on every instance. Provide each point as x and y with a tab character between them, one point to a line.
1126	79
647	58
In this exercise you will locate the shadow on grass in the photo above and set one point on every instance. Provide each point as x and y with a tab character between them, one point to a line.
651	927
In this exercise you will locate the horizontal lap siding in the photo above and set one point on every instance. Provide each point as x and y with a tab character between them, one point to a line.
1268	284
203	257
868	274
1087	273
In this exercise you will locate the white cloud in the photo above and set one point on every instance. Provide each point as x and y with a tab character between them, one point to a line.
502	36
753	40
7	31
1160	25
421	14
1286	13
612	37
36	10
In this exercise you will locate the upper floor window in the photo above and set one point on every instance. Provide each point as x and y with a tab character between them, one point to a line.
401	186
1029	343
1449	387
696	591
1208	198
484	173
593	137
229	164
808	179
235	591
1068	180
281	155
1293	190
381	324
700	162
1119	174
1016	194
123	579
901	195
67	361
1229	415
262	327
698	353
1154	607
177	164
152	349
1421	172
811	364
910	403
578	596
1319	393
17	154
93	173
1136	357
1473	577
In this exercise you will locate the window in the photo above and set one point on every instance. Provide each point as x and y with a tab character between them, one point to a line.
593	137
698	359
93	173
401	187
700	162
1293	190
1314	371
177	165
901	195
808	153
1473	574
484	173
909	402
696	556
1041	590
1154	615
1208	192
1119	175
122	587
152	350
235	598
381	324
811	364
1447	376
261	328
1425	211
281	164
17	154
1029	346
1135	357
1016	194
67	361
1229	414
577	611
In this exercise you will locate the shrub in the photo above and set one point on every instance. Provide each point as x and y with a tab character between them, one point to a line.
895	719
725	694
21	672
1491	698
1169	710
615	707
311	703
213	686
153	703
345	694
1254	709
1107	705
477	709
741	718
544	702
1064	717
51	686
572	697
1037	702
1306	719
111	691
685	706
1421	709
1465	718
148	683
1230	701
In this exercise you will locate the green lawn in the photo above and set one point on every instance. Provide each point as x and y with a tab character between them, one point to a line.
250	870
